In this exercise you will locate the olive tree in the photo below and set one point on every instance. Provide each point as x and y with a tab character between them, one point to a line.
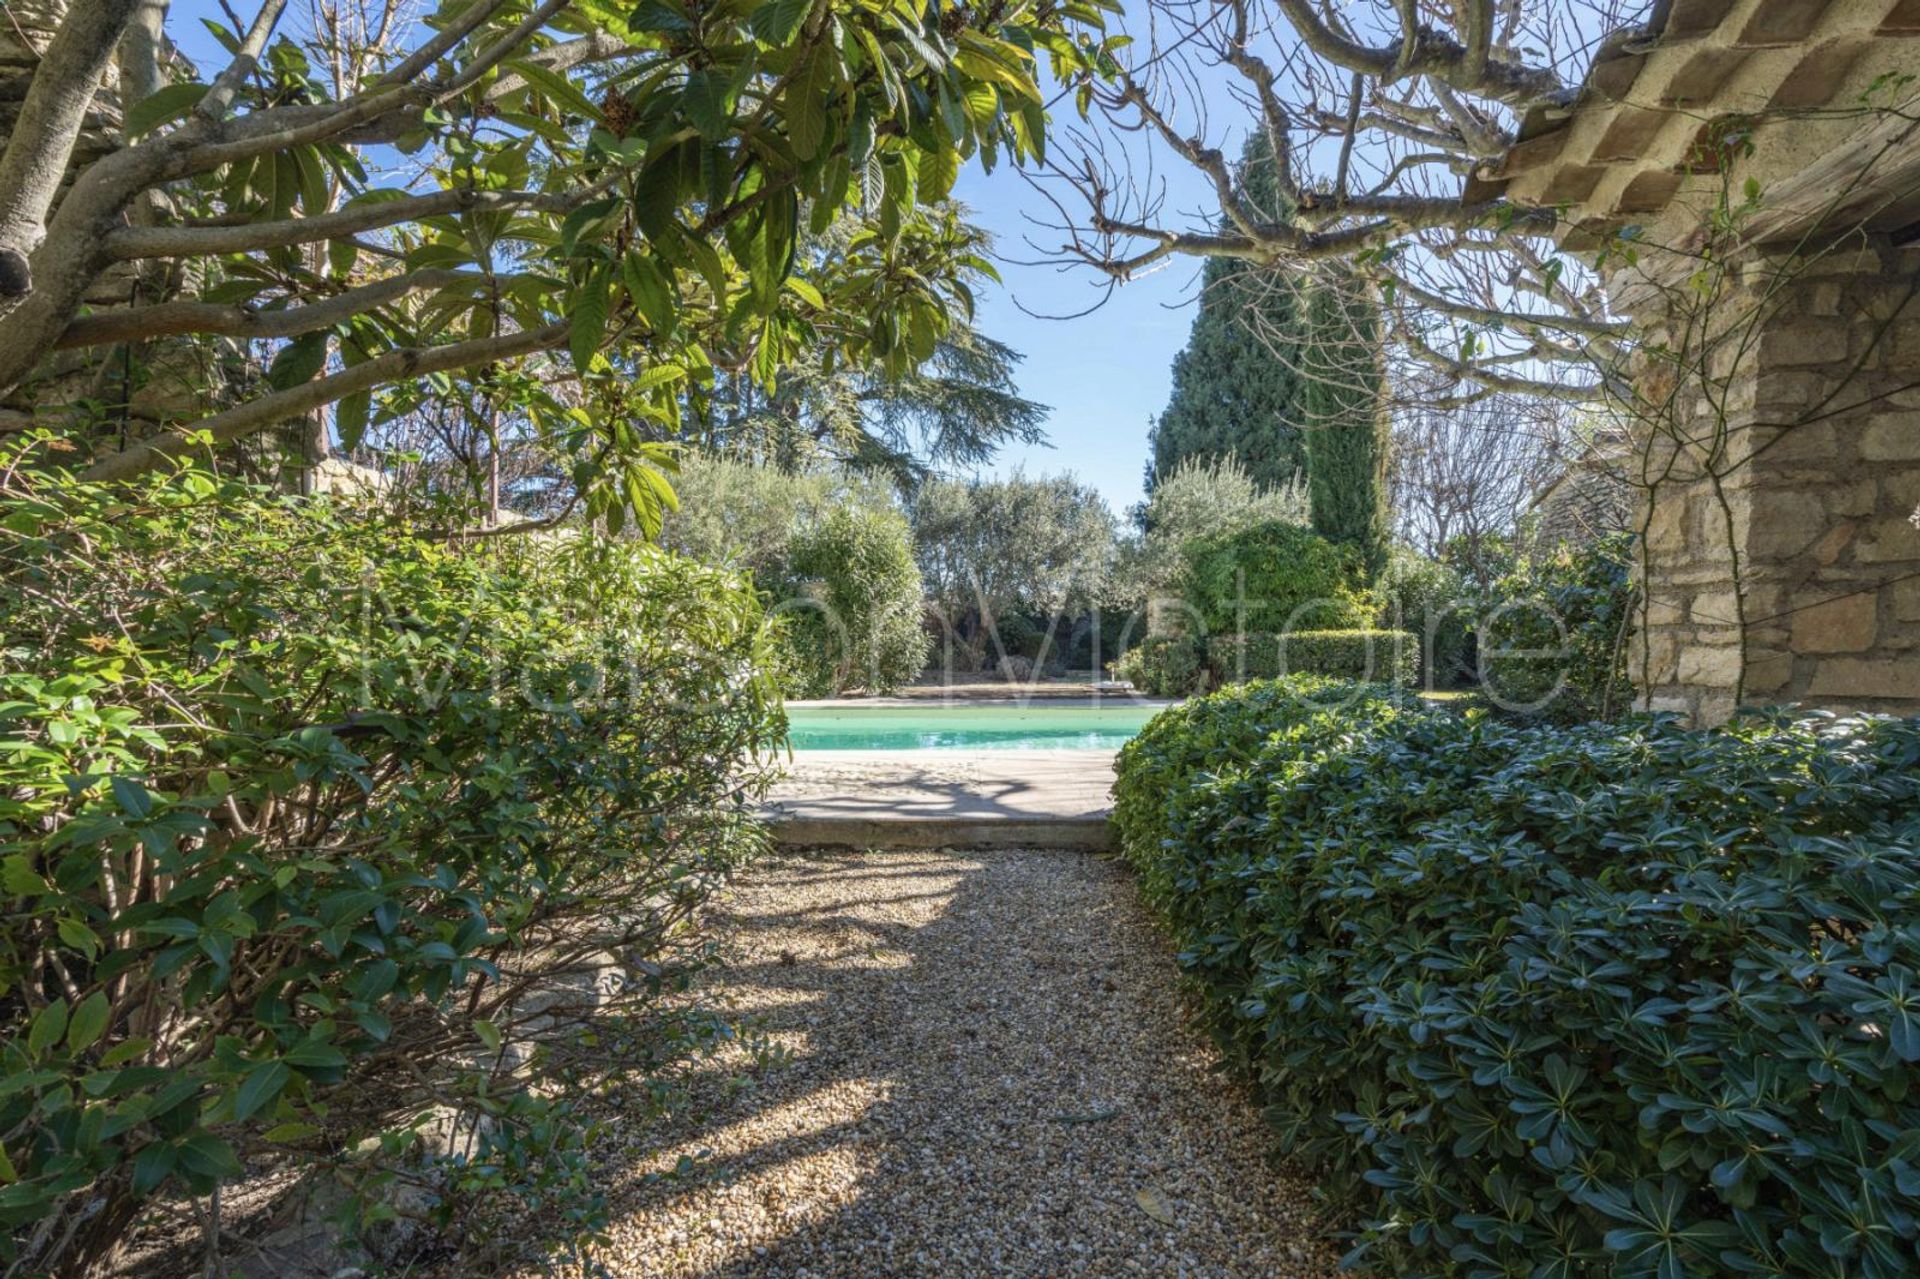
991	548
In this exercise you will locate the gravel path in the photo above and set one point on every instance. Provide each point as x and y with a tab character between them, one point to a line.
988	1076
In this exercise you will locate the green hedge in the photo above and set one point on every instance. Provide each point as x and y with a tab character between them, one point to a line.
1274	577
1162	666
1391	656
1554	634
289	796
1614	999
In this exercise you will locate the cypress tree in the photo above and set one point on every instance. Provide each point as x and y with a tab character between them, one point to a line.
1237	384
1346	417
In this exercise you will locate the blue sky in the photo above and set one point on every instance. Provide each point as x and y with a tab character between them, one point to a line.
1105	374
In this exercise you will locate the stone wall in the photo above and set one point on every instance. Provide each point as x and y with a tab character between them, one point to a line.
1779	478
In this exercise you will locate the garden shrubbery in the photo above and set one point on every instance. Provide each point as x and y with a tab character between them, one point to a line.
1163	666
1428	598
852	604
1387	656
1621	998
1274	577
1552	635
321	842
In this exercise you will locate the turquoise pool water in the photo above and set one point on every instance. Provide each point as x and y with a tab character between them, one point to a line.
906	728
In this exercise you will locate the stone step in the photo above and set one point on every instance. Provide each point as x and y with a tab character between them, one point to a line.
1085	833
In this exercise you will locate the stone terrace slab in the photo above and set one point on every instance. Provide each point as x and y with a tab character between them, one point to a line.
946	799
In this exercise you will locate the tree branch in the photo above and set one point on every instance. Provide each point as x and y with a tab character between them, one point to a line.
35	162
256	415
184	241
139	324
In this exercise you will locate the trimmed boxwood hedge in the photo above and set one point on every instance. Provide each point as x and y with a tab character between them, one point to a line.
1615	999
1162	666
1388	656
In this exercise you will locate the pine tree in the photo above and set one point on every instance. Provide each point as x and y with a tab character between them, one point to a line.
1346	417
1236	386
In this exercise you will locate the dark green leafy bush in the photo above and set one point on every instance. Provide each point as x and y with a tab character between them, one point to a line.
1623	1000
1553	634
1388	656
1274	577
1162	666
289	797
853	604
1428	598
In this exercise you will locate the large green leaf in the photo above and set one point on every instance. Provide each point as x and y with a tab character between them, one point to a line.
777	21
298	361
708	99
808	96
588	323
163	106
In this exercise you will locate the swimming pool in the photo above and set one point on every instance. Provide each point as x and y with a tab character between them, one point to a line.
1035	726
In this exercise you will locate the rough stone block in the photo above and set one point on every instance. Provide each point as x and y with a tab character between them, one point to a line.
1715	608
1667	531
1715	667
1806	442
1891	437
1782	524
1838	538
1906	600
1900	491
1848	624
1803	343
1663	613
1862	497
1662	655
1768	670
1891	679
1889	540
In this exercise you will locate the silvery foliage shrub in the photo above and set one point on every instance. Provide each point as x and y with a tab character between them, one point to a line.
1623	1000
852	605
315	833
1204	497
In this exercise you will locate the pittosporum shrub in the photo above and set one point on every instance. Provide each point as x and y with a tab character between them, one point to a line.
1274	577
1429	599
853	603
1163	666
1616	999
1552	635
322	843
1391	657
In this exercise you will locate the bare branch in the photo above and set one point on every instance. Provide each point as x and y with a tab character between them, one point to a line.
183	241
220	96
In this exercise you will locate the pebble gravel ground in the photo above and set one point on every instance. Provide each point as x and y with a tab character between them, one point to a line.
985	1072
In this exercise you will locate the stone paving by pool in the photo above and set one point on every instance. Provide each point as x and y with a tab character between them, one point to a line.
946	798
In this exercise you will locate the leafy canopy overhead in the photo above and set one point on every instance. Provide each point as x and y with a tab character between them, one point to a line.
609	207
955	405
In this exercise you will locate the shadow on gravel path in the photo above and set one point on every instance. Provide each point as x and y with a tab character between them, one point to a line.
988	1077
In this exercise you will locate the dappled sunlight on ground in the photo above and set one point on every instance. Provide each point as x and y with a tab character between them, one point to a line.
984	1074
